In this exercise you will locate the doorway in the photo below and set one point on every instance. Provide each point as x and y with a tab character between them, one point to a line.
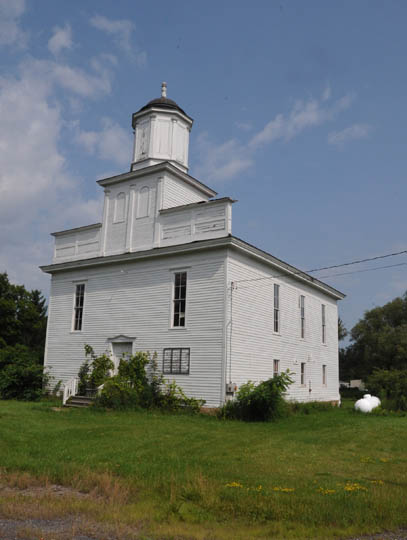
120	349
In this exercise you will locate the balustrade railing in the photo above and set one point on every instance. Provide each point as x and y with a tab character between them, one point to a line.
70	389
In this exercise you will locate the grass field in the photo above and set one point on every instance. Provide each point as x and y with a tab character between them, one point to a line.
323	475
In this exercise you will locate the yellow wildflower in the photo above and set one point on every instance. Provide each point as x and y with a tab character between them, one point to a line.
380	482
324	491
234	485
354	487
284	490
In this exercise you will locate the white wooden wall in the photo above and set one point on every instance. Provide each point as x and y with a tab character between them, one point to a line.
134	300
254	344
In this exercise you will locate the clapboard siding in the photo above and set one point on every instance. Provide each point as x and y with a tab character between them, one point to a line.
254	345
134	299
177	193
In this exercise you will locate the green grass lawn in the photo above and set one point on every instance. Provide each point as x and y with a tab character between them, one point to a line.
327	474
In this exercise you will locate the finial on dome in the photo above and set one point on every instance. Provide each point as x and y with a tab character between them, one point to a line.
164	89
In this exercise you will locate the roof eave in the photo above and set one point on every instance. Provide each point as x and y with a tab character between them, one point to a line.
165	165
139	114
225	241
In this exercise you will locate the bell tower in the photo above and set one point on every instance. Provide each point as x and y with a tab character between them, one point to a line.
161	133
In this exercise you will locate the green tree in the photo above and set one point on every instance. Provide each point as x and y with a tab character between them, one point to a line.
379	340
342	332
23	317
23	323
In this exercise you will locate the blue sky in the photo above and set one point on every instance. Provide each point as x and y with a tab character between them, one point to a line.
299	108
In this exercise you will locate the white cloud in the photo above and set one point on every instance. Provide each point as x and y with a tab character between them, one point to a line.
111	142
220	162
61	39
303	115
121	31
38	193
244	126
351	133
84	84
326	94
10	31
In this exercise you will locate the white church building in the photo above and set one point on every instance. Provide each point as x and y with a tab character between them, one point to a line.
163	273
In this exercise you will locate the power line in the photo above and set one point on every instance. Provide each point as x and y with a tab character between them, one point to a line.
301	272
357	262
365	270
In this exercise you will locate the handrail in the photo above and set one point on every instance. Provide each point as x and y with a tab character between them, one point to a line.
70	389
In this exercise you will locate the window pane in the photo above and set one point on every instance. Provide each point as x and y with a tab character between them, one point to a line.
179	300
78	306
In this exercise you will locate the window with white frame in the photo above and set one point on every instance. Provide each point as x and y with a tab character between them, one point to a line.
303	373
78	307
179	299
324	375
276	308
302	314
323	318
276	367
176	361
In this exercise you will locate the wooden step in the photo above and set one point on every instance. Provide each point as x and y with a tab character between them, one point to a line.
79	401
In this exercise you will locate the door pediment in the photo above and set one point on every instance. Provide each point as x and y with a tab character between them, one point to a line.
121	338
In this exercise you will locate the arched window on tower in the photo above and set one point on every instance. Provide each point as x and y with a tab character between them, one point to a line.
120	208
143	202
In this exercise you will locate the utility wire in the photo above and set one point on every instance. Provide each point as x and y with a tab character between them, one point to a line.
358	262
365	270
302	272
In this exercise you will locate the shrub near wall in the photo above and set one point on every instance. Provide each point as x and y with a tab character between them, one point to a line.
132	388
259	403
391	387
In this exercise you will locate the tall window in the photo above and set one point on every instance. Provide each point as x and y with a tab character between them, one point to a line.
303	373
323	323
276	308
302	310
276	367
180	295
324	375
78	307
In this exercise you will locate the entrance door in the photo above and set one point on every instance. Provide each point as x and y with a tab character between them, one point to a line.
120	349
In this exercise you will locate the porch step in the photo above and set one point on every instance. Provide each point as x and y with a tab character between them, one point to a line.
79	401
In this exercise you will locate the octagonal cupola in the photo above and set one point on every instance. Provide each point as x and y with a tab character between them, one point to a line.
161	133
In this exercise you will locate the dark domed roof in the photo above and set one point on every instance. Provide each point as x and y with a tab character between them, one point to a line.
163	103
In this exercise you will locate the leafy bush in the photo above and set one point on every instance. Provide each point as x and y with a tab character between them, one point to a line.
391	387
172	398
262	402
22	376
132	388
118	394
94	371
133	370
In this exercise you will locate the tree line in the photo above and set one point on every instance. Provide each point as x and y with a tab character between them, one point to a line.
377	341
